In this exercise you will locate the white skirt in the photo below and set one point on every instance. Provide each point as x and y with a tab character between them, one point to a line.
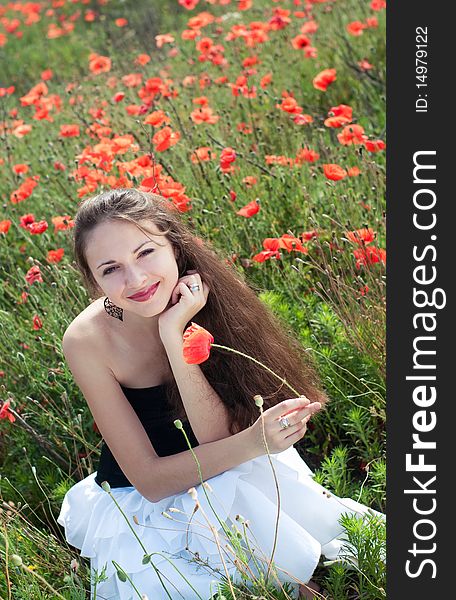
190	550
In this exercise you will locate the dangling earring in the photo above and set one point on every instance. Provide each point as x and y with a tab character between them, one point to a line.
112	309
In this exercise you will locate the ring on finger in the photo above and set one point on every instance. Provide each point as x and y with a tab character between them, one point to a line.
194	287
284	423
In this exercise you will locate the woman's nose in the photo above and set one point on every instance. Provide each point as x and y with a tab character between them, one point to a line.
135	277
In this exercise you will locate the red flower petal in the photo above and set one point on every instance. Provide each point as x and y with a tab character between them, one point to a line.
197	344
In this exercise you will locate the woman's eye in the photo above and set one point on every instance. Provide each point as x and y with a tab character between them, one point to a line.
143	253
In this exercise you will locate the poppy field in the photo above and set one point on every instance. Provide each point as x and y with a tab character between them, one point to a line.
263	122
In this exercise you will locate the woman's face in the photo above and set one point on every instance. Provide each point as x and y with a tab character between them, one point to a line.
136	262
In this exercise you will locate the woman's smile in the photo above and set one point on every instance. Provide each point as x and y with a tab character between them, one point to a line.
146	295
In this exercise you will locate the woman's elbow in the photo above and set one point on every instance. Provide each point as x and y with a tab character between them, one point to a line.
151	492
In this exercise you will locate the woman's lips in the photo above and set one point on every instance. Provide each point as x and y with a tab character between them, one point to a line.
146	295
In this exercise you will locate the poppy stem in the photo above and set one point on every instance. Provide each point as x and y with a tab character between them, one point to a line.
284	381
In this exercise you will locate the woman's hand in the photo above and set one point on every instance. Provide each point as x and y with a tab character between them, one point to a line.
297	410
183	305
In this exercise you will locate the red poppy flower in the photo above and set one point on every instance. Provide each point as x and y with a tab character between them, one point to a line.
61	223
47	74
374	145
4	412
33	274
302	119
369	255
196	344
249	209
267	254
21	130
165	138
38	228
339	115
20	169
272	244
25	220
24	190
334	172
142	59
132	79
6	91
99	64
335	122
309	235
250	180
55	256
5	225
361	235
69	131
323	79
227	156
204	45
37	322
306	155
204	115
121	22
266	80
289	105
204	153
371	22
157	119
188	4
201	100
289	242
300	41
163	38
118	96
356	28
309	27
352	134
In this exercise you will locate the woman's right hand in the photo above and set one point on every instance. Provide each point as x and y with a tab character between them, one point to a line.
297	410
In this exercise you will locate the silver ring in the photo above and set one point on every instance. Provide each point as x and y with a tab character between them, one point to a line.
194	287
284	423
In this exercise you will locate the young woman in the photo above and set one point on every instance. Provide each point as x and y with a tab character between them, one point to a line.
151	277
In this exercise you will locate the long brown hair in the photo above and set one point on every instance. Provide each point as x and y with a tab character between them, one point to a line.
233	313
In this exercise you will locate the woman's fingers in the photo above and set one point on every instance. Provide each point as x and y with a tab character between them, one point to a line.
299	428
287	406
303	408
301	396
297	435
308	410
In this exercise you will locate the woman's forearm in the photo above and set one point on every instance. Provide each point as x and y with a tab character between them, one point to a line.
169	475
204	408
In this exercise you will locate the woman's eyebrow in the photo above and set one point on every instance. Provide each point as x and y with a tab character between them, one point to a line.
109	262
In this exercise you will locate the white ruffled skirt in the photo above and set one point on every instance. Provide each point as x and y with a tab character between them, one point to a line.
190	551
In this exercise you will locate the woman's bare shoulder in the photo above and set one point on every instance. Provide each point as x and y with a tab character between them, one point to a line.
89	325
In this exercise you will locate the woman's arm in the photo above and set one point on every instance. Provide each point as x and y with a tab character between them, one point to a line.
205	410
174	474
158	477
179	472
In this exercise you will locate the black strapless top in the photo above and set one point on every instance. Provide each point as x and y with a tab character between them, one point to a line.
156	415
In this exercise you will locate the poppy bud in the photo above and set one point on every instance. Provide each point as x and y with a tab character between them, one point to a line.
258	400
